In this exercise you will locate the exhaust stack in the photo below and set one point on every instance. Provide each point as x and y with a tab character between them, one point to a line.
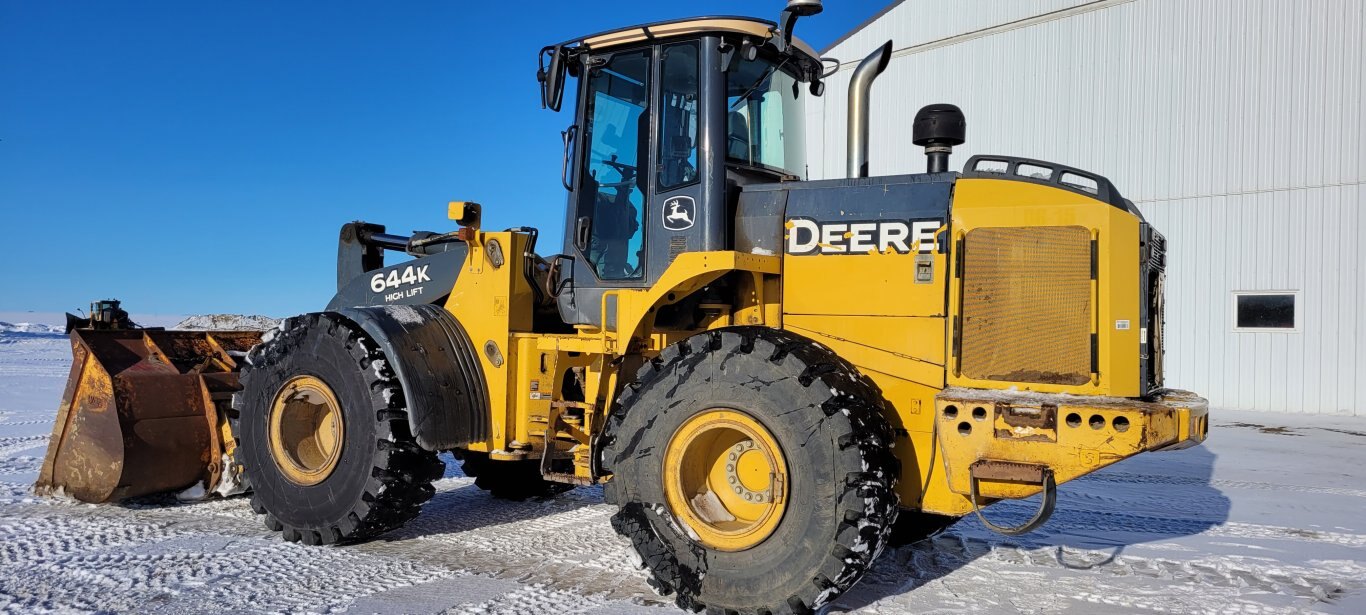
859	88
938	128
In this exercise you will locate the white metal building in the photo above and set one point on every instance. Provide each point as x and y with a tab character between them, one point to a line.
1237	126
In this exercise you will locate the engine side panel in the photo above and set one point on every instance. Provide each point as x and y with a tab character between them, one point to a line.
865	269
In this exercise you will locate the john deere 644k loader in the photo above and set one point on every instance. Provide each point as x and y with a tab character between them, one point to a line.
763	372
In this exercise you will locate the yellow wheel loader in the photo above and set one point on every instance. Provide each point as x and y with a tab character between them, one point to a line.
762	372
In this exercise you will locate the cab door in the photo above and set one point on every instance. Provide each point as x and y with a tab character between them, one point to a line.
606	212
679	215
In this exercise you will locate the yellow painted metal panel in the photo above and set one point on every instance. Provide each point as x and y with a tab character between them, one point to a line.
997	203
911	417
875	284
910	348
490	302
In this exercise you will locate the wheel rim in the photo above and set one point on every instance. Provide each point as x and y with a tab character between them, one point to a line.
725	479
306	430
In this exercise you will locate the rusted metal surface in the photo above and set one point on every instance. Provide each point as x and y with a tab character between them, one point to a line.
1071	435
987	469
141	413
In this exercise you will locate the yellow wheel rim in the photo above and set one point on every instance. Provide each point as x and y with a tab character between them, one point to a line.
725	478
306	430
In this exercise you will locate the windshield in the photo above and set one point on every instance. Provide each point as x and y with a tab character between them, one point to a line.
766	121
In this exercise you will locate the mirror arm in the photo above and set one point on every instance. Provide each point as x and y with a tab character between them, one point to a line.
786	22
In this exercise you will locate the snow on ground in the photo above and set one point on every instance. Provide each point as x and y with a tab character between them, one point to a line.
1265	518
28	328
227	322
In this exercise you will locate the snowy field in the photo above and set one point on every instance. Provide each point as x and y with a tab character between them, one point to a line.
1268	517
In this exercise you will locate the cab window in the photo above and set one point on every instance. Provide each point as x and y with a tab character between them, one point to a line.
678	116
611	190
765	117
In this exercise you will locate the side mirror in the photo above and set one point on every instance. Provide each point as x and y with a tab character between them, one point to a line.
551	74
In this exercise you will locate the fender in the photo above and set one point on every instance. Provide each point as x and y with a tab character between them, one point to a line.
435	362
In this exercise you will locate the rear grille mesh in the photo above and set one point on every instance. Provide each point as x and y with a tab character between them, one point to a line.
1027	313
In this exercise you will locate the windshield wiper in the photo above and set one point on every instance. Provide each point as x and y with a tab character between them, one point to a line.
762	78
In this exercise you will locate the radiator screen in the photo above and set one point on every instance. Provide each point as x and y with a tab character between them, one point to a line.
1027	313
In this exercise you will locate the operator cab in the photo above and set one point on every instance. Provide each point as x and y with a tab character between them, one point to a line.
660	108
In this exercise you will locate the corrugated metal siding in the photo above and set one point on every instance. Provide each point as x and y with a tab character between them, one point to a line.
1237	126
915	22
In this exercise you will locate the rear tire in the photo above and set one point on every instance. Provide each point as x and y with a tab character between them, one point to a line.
376	478
508	480
831	438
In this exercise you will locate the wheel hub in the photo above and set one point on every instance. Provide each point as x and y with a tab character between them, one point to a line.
747	472
306	430
725	479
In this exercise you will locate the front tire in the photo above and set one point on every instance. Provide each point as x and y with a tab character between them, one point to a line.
322	432
779	403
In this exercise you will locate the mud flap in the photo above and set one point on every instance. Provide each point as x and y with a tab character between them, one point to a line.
142	413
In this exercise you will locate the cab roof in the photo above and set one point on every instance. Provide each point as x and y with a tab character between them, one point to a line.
760	28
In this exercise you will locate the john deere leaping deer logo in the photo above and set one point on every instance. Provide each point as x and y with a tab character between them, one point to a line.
679	213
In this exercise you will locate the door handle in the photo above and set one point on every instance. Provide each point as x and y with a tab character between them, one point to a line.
581	232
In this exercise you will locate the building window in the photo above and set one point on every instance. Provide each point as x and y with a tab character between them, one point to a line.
1266	311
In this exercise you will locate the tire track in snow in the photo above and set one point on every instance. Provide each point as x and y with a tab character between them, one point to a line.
1095	577
531	599
14	444
1073	520
564	544
38	369
20	465
126	565
29	540
1157	479
18	423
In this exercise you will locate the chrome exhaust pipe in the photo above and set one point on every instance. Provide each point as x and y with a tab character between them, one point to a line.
859	91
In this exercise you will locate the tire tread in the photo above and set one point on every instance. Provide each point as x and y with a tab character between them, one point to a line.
402	472
869	505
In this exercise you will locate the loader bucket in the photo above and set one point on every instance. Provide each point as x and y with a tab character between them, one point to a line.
144	412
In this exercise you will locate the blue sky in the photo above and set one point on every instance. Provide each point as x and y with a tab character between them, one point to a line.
201	157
